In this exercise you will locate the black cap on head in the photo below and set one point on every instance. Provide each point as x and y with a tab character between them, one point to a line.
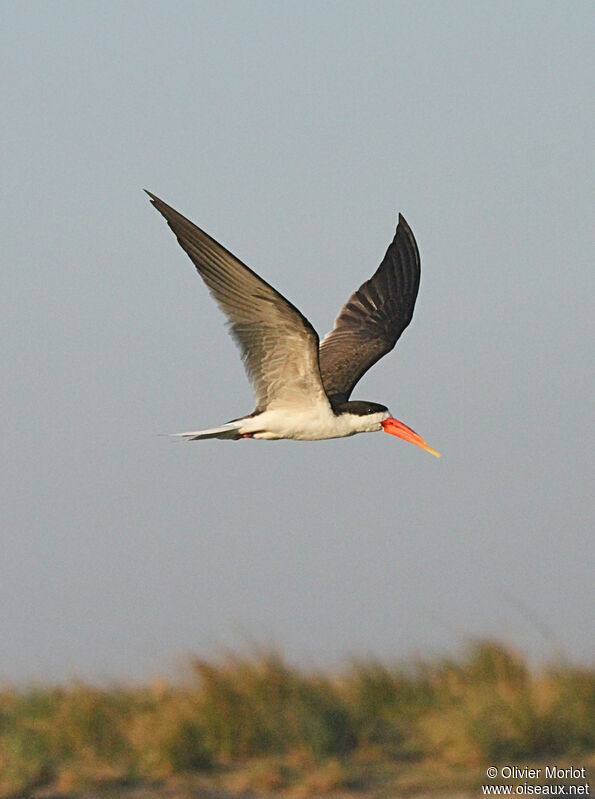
359	408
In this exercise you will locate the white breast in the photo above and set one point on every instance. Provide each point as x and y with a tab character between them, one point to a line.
313	423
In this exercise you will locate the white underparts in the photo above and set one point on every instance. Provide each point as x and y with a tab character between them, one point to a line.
313	423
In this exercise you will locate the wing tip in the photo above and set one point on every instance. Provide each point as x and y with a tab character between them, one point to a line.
404	229
403	221
153	197
167	212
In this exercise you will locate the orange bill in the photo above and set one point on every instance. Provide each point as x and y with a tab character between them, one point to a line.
397	428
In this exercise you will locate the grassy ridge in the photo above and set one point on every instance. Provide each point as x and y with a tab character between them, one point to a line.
259	723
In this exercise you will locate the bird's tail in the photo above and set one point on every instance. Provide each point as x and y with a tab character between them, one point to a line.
229	430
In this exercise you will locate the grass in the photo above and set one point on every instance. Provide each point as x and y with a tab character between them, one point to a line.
258	724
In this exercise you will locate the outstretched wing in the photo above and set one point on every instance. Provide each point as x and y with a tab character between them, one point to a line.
278	344
371	321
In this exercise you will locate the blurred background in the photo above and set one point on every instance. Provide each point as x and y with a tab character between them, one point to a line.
294	134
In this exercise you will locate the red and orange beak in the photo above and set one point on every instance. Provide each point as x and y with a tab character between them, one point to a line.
397	428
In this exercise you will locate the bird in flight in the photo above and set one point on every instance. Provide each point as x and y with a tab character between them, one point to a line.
302	385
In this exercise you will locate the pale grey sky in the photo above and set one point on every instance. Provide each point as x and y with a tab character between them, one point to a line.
294	133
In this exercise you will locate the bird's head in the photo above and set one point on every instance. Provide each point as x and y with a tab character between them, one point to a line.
371	417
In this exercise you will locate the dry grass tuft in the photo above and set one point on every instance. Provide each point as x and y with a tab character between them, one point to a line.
257	724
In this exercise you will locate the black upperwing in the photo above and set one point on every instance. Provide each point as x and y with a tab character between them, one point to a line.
371	321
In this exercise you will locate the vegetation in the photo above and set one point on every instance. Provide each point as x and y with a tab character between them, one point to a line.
256	723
